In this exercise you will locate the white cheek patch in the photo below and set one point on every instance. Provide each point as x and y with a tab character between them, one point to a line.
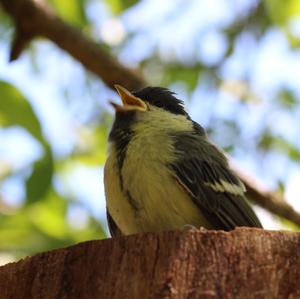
162	122
224	186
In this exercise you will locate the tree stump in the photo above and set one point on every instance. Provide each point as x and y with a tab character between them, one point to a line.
244	263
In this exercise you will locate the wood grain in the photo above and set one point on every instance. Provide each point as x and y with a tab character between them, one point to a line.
245	263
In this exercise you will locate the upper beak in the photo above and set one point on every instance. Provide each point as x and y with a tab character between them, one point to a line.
130	102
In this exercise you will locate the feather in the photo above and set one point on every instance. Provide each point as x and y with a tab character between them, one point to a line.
112	226
162	98
217	192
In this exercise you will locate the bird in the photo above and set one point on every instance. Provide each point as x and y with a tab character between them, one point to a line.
163	173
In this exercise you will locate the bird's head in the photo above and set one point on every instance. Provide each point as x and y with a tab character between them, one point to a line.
150	108
148	99
153	113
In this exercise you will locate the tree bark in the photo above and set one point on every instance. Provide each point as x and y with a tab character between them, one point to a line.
244	263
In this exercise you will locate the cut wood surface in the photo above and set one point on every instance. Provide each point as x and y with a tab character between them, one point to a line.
245	263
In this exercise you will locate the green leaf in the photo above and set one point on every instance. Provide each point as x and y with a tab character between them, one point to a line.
188	75
48	216
16	110
287	99
117	6
5	26
71	11
43	226
281	11
40	179
268	141
94	150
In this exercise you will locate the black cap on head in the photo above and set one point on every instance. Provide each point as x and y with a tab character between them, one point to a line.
162	98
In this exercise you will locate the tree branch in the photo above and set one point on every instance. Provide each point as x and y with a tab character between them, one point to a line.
270	201
33	18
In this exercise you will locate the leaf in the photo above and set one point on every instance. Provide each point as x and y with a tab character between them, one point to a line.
118	6
94	150
287	99
268	141
188	75
5	26
48	216
281	11
43	226
40	179
71	11
16	110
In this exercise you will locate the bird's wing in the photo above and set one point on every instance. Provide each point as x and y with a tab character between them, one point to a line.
112	226
212	186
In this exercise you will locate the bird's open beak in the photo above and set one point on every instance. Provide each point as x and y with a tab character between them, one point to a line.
130	102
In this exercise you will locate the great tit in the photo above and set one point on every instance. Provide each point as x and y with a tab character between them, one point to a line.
162	172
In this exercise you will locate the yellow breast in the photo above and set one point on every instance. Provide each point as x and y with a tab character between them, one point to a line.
160	203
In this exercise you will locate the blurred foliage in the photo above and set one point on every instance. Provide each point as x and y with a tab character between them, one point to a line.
42	226
41	221
16	110
283	13
118	6
176	73
269	141
72	11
